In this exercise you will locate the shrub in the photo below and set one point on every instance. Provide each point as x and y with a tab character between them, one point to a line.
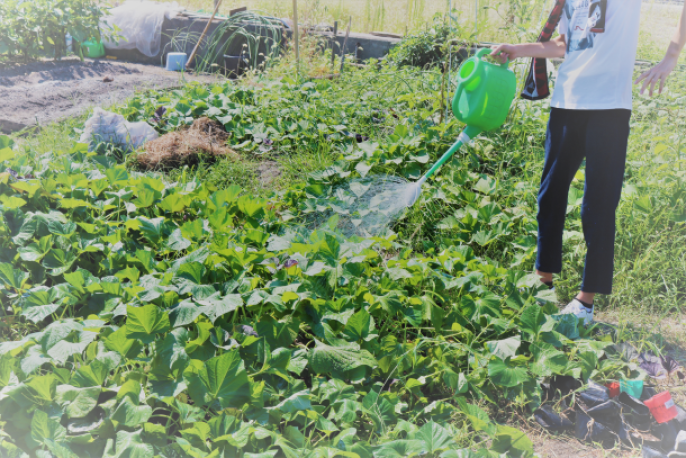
38	28
427	48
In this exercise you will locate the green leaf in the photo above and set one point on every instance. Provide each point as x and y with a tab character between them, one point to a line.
503	373
547	360
116	174
43	387
130	414
38	313
177	242
128	445
325	359
132	389
58	261
477	417
44	427
75	345
457	382
568	326
506	348
144	322
533	322
172	352
152	229
223	379
400	448
184	313
278	335
5	142
434	436
174	203
214	307
644	205
358	326
12	202
298	402
120	342
144	199
512	442
12	277
93	374
63	229
77	402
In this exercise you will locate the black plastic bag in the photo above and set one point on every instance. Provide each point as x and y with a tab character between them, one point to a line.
551	420
636	413
594	395
587	429
608	413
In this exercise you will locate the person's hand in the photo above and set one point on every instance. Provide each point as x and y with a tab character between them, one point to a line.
502	53
658	73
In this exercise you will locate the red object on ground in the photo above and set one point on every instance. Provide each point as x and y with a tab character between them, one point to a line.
662	407
614	389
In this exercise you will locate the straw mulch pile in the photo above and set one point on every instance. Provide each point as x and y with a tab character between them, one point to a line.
184	147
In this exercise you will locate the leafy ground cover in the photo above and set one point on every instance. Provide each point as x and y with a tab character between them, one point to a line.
185	316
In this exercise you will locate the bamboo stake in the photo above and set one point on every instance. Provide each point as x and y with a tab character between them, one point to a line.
296	36
345	42
202	35
333	45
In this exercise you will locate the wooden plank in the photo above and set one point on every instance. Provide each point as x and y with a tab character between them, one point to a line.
238	10
386	35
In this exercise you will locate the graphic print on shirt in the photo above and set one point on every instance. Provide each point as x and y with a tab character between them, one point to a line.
585	19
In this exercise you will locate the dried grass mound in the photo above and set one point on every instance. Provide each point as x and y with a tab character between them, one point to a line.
184	147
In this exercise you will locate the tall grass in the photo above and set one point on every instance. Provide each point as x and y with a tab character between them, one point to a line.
493	21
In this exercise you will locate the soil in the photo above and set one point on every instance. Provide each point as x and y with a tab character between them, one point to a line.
42	92
185	146
268	172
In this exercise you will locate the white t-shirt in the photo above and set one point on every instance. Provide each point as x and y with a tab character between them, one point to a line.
597	72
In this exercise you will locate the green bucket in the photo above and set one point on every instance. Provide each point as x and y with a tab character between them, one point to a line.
484	92
632	387
93	49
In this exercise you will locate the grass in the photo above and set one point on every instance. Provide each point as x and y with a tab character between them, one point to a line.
495	18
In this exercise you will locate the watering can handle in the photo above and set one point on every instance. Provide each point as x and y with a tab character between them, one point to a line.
484	51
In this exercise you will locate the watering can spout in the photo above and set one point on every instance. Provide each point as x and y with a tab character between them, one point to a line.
463	139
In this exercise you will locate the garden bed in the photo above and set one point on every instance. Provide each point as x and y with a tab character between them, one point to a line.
39	93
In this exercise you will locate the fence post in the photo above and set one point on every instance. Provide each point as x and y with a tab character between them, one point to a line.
476	19
334	42
296	37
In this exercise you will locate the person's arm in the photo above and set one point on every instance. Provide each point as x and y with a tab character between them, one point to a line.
661	71
553	48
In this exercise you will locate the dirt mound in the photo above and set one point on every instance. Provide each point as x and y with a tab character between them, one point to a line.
175	149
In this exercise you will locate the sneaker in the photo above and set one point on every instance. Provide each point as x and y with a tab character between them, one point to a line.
579	310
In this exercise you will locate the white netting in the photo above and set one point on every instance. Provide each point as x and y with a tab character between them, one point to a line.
140	22
111	128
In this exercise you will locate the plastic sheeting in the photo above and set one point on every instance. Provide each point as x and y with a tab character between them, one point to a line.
140	23
111	128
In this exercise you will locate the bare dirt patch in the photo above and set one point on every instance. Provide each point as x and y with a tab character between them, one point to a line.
39	93
185	146
269	171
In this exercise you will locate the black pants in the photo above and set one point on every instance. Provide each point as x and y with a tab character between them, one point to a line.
601	137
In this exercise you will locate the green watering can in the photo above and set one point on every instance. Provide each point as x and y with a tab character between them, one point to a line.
482	101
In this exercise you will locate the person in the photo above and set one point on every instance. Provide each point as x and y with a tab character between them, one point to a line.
589	119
